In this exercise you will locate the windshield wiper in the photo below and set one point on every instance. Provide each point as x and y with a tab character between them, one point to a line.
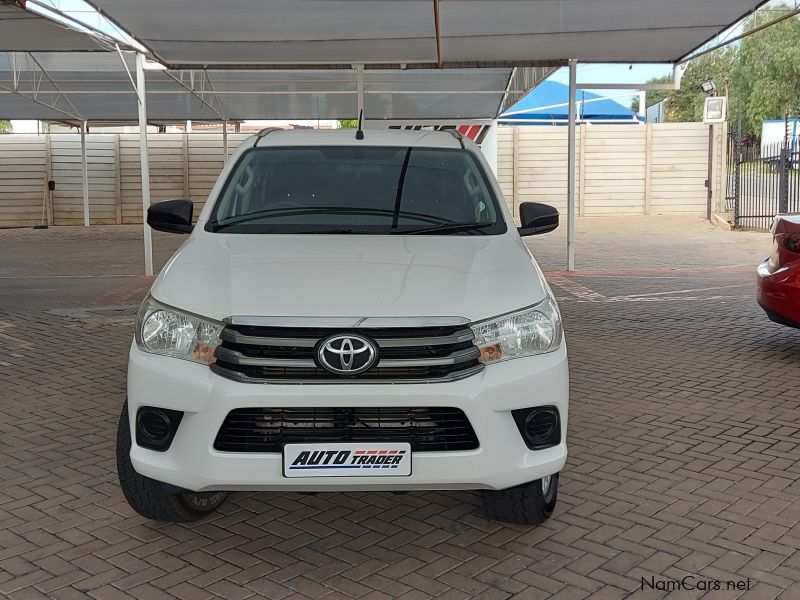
446	228
313	210
328	231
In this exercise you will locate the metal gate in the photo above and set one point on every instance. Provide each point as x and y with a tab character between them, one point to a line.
763	177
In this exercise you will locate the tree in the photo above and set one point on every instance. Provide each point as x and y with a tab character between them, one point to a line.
686	104
760	76
348	123
5	126
766	81
654	96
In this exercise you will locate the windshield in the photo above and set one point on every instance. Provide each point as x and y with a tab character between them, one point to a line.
365	190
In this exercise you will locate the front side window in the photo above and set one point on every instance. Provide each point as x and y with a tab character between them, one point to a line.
368	190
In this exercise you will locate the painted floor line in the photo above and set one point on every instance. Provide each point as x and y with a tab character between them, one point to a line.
654	271
123	294
11	340
705	289
679	298
578	290
622	299
737	274
64	276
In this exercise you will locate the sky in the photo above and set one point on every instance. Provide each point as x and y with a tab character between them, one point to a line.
82	12
614	73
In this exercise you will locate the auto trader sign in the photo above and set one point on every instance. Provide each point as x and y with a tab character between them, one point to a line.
347	460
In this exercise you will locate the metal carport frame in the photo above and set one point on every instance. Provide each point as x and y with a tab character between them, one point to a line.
101	86
21	33
415	34
420	34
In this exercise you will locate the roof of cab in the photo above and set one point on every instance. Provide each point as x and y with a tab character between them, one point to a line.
347	137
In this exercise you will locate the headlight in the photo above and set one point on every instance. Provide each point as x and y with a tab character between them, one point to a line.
164	330
530	331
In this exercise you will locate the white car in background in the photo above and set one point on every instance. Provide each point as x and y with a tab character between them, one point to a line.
350	312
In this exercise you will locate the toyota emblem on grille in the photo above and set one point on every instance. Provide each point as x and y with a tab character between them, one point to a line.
346	354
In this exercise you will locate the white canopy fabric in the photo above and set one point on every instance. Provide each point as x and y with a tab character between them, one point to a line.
502	33
286	59
22	30
96	86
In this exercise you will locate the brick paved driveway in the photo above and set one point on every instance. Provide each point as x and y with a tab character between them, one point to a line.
683	449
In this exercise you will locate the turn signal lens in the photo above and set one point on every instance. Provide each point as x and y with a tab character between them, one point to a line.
203	353
491	353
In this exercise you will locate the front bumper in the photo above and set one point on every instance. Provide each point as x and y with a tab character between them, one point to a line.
502	460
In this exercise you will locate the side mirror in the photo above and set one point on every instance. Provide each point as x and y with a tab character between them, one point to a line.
537	218
172	216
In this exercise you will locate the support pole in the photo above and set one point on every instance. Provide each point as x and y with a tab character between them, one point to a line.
85	174
710	180
225	142
141	93
489	146
360	88
573	69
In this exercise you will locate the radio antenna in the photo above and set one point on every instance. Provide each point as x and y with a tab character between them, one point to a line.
359	131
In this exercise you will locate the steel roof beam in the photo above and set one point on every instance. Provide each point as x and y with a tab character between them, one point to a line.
102	39
521	81
199	94
54	98
382	66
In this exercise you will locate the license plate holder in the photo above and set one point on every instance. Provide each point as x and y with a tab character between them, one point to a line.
348	459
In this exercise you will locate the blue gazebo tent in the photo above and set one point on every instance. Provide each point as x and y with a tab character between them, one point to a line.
548	104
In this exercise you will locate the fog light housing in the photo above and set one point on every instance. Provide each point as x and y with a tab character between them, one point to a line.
156	427
540	427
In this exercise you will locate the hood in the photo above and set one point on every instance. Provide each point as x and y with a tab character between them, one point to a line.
476	277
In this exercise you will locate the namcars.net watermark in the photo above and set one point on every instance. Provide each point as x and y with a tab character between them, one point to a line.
691	582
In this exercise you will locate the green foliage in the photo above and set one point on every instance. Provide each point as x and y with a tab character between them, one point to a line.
348	123
760	76
686	104
766	81
655	96
5	126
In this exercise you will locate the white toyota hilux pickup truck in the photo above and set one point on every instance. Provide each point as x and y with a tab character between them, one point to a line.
349	312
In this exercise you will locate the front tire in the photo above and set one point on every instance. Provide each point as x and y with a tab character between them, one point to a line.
527	504
153	499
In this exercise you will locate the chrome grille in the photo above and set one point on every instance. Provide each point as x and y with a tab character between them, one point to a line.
269	353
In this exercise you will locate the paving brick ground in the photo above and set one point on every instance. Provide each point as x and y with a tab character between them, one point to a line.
683	460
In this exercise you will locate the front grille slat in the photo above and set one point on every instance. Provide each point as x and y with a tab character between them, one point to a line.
233	336
456	358
255	353
268	429
456	338
235	357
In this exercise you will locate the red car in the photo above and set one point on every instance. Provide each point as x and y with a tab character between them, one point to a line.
779	275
